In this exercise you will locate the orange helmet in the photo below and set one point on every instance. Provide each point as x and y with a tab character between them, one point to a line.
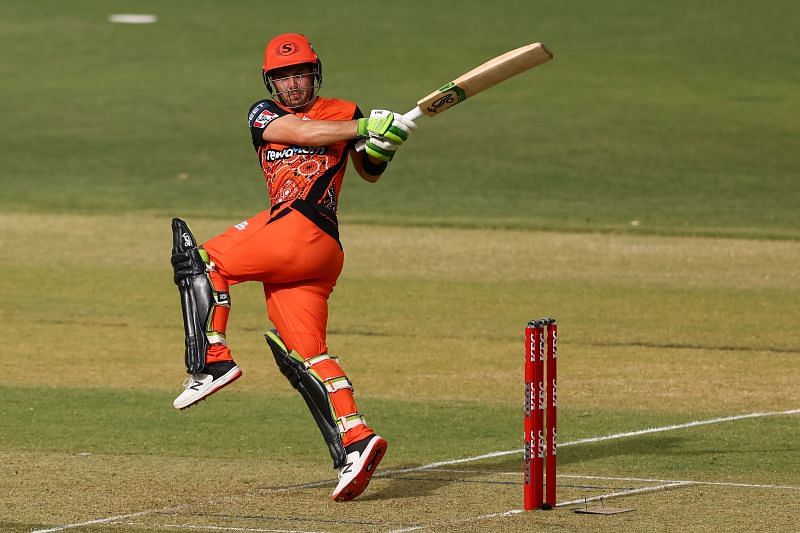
290	49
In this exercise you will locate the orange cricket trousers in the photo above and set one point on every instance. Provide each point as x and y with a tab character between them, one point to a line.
298	265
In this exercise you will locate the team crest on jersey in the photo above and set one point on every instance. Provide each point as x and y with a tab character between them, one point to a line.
256	110
264	118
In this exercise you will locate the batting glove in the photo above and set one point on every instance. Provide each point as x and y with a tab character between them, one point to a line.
382	149
386	125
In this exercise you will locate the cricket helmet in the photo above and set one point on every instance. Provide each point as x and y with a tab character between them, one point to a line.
288	49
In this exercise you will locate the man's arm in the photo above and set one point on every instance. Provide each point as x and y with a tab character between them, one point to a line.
290	129
382	126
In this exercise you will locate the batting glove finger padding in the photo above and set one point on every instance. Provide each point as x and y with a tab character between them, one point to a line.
380	148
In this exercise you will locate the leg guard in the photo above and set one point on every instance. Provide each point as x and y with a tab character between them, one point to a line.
191	264
313	391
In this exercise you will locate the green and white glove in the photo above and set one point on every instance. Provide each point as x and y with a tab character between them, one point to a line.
378	148
386	125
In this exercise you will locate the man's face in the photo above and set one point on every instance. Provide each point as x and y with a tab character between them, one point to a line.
294	85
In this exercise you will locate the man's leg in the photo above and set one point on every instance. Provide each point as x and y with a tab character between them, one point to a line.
300	313
284	250
202	304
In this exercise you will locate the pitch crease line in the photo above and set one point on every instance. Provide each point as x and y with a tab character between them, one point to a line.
643	479
465	520
97	521
653	488
601	438
215	528
693	482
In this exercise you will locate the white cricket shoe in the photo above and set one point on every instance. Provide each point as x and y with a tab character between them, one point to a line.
201	385
362	460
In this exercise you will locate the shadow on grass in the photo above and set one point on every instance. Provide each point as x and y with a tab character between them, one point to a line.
421	483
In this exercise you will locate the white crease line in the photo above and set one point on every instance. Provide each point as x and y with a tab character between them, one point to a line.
626	492
654	488
455	522
465	460
693	482
681	426
215	528
98	521
613	436
642	479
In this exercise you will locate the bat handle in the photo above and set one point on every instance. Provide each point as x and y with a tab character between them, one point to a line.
412	115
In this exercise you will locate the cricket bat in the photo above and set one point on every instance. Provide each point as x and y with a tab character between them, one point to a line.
479	79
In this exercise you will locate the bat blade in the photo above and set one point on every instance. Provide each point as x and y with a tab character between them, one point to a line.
482	77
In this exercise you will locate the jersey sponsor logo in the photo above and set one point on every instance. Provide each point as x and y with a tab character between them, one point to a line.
274	155
264	118
241	225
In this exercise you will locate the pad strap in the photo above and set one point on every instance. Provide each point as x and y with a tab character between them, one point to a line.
221	299
314	360
346	423
339	383
332	384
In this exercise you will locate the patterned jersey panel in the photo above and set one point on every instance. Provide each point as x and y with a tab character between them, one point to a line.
310	173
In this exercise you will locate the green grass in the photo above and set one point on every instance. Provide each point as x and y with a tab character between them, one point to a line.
680	117
238	425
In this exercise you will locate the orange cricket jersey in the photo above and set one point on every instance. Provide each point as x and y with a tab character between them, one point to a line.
309	178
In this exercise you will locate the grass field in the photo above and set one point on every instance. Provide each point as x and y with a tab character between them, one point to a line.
642	188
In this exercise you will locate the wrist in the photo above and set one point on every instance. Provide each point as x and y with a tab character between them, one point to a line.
373	166
362	127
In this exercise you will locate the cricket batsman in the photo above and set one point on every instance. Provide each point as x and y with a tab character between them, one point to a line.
303	142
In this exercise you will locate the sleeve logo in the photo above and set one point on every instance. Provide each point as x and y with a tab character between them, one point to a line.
255	111
264	118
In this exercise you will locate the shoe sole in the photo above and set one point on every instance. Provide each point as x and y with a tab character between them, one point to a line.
225	380
375	451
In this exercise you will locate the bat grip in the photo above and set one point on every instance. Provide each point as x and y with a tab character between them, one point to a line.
412	115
